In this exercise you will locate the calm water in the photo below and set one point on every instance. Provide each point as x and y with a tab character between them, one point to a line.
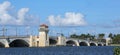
105	50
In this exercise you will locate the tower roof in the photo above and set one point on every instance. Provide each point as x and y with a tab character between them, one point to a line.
44	25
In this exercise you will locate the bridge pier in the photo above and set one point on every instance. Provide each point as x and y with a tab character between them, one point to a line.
61	41
4	42
7	45
30	44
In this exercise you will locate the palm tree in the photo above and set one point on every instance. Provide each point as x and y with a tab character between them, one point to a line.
110	36
73	36
101	36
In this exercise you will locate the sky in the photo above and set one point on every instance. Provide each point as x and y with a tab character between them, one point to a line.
62	16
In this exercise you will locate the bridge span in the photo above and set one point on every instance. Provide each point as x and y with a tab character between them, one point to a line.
33	41
43	40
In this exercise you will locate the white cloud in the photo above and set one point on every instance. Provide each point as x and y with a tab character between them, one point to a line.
4	16
19	18
21	15
92	31
70	19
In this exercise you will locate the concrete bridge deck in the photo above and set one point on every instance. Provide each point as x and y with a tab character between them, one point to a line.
43	40
53	41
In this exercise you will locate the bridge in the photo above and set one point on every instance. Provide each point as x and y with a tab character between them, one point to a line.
74	42
43	40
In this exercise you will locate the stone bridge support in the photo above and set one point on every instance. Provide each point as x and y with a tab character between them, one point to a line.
4	43
61	41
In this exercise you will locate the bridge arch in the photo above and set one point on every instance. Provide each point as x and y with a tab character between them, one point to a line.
71	43
52	41
2	45
93	44
99	44
104	44
19	43
83	43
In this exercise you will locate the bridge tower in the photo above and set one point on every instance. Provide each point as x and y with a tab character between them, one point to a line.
43	36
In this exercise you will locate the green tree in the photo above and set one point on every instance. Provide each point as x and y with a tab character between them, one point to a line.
116	39
117	51
101	36
88	36
82	36
110	36
73	36
92	37
62	34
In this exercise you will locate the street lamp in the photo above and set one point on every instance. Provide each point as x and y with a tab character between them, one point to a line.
3	30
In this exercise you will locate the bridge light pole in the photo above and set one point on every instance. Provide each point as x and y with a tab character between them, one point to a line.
3	30
61	34
27	30
16	31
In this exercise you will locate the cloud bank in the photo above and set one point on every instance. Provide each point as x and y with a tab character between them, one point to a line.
21	17
70	19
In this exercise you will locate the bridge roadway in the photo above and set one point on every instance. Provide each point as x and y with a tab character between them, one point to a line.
31	41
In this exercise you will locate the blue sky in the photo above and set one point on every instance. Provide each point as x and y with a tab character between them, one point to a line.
75	16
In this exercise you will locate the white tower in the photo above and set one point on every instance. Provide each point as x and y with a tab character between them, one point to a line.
43	36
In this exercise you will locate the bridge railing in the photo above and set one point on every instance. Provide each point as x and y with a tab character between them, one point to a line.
14	36
96	40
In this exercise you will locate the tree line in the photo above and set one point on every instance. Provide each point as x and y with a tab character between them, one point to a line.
100	37
115	38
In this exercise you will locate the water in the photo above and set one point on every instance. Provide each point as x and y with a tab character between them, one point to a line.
95	50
